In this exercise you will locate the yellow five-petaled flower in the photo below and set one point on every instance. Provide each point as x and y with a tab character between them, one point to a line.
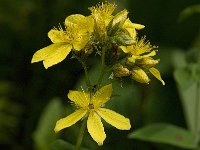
74	36
90	106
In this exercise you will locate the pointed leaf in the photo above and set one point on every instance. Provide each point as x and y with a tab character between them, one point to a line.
166	134
44	133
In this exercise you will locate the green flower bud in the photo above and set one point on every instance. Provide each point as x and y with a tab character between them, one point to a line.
147	62
122	39
117	22
120	71
139	75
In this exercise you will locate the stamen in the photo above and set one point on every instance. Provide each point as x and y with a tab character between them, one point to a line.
142	46
104	9
91	106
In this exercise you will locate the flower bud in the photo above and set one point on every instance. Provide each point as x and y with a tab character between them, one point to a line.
147	62
117	22
120	71
139	75
122	39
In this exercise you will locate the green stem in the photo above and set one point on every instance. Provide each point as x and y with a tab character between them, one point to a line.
81	134
197	116
88	83
86	76
102	66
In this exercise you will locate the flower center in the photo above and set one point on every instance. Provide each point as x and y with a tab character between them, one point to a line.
91	106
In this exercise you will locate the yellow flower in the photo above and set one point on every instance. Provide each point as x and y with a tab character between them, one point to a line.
90	106
141	54
102	15
74	37
104	11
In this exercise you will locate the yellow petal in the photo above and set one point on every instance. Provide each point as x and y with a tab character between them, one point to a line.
132	32
138	26
80	42
152	53
124	49
129	24
81	99
75	19
43	53
83	23
115	119
102	96
99	26
90	23
95	128
57	55
56	36
70	120
156	74
132	58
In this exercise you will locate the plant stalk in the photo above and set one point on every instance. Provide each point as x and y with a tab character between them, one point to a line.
88	83
81	134
102	66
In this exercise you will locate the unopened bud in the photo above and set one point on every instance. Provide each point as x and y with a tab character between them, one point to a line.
147	62
139	75
123	39
117	22
120	71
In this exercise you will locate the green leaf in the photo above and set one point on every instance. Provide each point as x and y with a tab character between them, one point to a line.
187	76
188	79
44	134
188	98
63	145
184	77
193	55
189	11
178	58
165	134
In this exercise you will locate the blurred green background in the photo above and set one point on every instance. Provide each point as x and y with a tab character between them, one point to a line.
32	98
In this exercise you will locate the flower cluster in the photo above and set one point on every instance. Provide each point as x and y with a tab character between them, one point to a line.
138	61
112	37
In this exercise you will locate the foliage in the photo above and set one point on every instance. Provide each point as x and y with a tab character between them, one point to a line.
167	134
